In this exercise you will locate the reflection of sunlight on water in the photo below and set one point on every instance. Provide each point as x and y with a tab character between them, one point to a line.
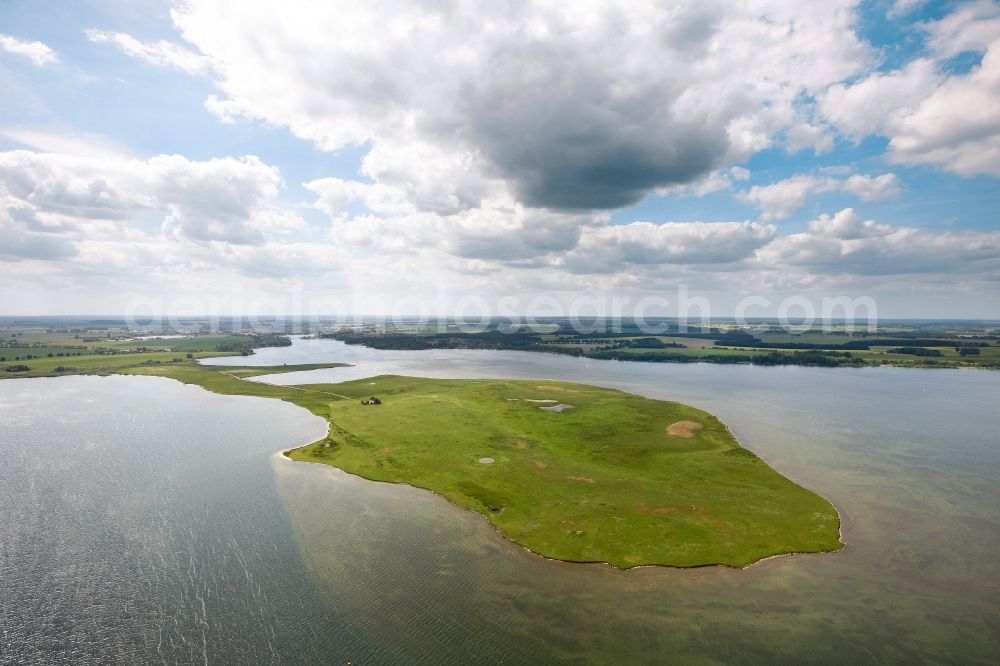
145	527
916	491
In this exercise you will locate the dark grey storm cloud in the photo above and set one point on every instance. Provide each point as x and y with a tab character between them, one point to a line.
571	108
558	123
602	170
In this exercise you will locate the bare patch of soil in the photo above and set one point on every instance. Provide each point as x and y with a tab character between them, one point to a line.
553	389
683	429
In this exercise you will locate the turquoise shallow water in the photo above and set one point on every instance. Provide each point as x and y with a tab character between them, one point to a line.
152	522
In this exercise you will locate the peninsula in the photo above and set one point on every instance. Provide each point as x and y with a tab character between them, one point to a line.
571	472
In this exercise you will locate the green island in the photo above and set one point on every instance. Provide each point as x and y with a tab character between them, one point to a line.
571	472
577	473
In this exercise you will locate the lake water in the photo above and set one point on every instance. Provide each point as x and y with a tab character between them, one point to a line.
148	521
141	524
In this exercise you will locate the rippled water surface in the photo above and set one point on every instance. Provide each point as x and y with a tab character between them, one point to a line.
140	524
148	521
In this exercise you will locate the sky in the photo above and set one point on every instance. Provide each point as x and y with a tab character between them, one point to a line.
453	157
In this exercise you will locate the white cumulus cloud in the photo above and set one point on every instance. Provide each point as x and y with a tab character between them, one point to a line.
845	244
614	248
931	116
37	52
781	199
161	53
226	199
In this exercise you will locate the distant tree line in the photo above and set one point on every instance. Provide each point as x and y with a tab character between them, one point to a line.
615	348
855	345
812	358
917	351
651	343
245	347
494	339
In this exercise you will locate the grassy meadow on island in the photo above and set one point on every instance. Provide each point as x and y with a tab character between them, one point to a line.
576	472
